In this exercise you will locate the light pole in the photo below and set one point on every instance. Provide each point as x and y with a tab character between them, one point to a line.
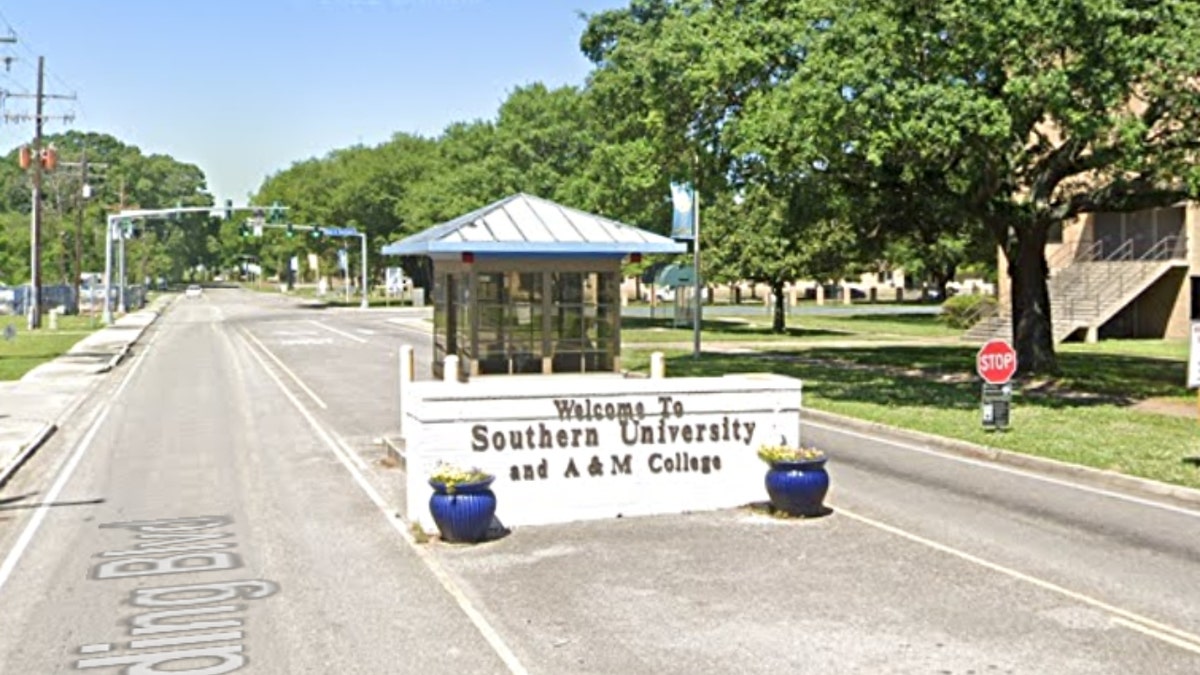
108	255
365	304
122	233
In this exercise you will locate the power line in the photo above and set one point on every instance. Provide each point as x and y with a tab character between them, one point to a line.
37	158
24	44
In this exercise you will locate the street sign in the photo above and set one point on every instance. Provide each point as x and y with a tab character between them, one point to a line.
996	362
340	231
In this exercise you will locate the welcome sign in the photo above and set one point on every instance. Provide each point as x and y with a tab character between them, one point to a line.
567	448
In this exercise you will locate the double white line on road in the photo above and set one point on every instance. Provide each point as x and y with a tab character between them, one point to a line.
356	466
295	378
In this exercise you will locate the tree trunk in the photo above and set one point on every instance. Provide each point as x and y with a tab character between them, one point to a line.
1032	328
779	324
737	293
941	278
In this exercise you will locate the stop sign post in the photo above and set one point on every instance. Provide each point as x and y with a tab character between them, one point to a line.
996	363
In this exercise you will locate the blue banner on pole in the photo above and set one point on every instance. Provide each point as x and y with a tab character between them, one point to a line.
683	216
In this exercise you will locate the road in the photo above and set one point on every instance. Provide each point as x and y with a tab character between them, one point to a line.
220	506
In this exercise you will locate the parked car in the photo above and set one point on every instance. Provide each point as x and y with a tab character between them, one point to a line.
193	291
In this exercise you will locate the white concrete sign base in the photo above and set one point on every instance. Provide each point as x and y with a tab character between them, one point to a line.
567	448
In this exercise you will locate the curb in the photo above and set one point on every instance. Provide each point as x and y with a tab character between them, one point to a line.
1084	474
47	430
120	356
395	451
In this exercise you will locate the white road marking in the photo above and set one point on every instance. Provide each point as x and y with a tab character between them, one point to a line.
362	463
1152	628
1182	644
311	394
1006	469
306	342
464	603
344	334
366	331
64	475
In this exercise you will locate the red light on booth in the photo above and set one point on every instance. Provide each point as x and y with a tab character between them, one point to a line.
468	257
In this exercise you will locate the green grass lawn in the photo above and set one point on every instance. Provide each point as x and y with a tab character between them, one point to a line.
1087	416
27	349
808	327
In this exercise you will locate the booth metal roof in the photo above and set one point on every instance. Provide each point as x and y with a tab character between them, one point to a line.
526	225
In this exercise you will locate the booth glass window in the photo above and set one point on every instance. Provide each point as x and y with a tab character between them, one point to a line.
444	325
510	322
523	321
584	320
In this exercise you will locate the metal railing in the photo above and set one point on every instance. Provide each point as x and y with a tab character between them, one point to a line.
1083	292
1087	304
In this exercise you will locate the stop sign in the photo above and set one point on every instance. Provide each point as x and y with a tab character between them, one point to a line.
996	362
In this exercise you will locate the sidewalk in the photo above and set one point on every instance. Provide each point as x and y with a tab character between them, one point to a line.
32	408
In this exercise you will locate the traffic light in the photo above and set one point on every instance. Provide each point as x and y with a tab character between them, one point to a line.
176	215
316	234
244	230
291	232
228	209
275	214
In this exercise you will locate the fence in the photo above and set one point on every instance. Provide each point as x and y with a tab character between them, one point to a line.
16	300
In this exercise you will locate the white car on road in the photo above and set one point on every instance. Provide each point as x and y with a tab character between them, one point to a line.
193	291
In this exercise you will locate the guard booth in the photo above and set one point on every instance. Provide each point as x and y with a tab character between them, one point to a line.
525	285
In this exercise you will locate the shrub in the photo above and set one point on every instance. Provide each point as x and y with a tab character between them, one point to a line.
961	311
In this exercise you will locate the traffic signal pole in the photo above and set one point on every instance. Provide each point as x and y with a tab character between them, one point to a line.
115	223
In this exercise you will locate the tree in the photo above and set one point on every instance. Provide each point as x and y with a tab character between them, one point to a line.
774	240
1024	115
73	234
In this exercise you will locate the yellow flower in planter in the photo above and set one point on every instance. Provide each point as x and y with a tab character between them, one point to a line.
784	453
451	475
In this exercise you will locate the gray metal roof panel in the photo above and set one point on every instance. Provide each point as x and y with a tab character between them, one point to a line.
523	224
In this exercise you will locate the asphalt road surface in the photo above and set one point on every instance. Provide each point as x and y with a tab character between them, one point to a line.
220	506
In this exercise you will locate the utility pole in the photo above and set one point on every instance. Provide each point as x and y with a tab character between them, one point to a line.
38	160
35	238
81	199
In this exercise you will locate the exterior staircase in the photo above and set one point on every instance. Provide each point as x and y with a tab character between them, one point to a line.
1091	290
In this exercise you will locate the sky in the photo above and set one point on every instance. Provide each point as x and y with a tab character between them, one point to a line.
245	88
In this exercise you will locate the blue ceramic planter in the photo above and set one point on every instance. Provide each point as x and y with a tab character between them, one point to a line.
465	515
798	488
